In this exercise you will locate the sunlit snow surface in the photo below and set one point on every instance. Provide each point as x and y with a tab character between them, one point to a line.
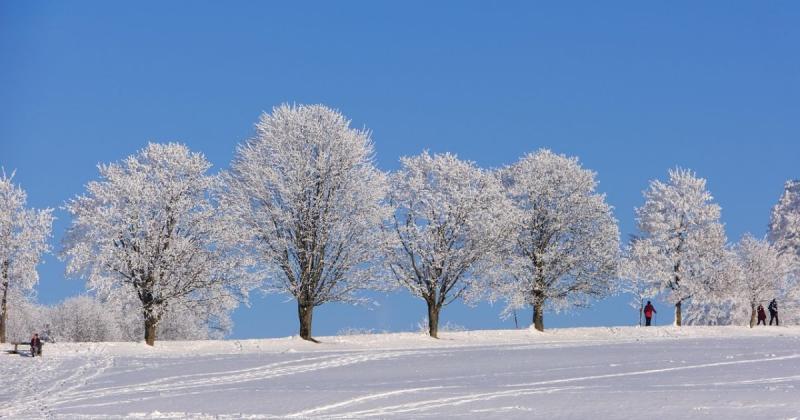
662	372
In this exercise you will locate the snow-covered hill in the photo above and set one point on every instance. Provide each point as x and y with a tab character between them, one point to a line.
661	372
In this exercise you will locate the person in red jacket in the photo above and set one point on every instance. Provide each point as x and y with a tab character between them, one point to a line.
762	316
649	310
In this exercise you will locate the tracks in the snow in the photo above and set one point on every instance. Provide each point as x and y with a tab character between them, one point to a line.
78	398
44	380
458	397
81	383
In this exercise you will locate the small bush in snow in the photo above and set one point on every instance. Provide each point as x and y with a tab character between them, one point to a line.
358	331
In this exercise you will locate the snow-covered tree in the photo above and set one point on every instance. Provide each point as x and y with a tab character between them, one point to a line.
195	322
27	317
565	241
83	319
681	223
719	303
763	273
24	235
148	229
305	197
449	223
635	278
784	226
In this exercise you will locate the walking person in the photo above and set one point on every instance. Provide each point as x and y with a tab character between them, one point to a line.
773	312
649	310
36	346
762	315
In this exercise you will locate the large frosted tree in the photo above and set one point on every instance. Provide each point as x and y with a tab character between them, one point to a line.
565	242
680	223
24	236
148	229
448	225
305	198
784	226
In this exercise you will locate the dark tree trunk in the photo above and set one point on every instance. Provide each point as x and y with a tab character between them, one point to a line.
4	304
150	324
433	319
678	314
149	306
3	318
753	316
305	313
538	310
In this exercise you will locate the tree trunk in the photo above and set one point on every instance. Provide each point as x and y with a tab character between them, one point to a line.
753	316
641	310
678	314
538	311
433	319
305	313
4	305
150	324
149	305
3	317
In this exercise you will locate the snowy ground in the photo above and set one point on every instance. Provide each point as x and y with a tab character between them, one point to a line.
662	372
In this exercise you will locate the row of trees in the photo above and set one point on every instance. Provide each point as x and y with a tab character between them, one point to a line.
304	211
682	250
87	319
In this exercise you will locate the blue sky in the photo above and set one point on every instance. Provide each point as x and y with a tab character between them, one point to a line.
632	88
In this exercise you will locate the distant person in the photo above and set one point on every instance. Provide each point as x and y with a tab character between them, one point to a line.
36	346
762	315
773	312
649	310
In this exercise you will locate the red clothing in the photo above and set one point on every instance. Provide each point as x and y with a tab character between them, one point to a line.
761	313
648	310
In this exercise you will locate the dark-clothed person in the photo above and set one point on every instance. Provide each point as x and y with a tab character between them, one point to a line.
762	315
36	346
773	312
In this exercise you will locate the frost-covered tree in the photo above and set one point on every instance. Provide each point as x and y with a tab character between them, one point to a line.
565	242
449	222
148	229
305	197
195	322
24	235
681	223
719	303
784	226
27	317
763	273
635	278
83	319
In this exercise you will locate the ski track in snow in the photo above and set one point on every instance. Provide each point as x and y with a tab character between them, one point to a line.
66	392
698	376
526	390
41	385
451	401
357	400
205	380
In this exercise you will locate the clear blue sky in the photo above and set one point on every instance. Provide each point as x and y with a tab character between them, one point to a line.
631	88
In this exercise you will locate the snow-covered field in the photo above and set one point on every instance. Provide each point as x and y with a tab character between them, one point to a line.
661	372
